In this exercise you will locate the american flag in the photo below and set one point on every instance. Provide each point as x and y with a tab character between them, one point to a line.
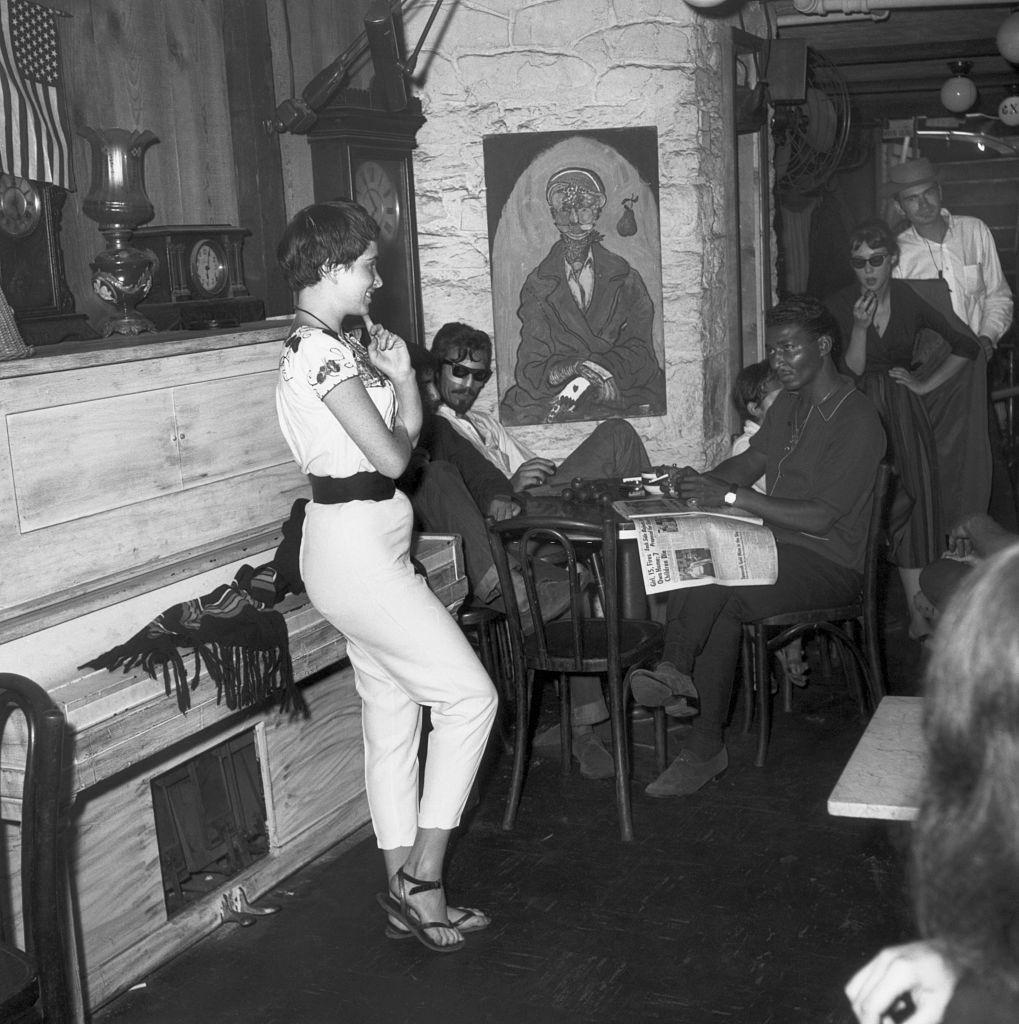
33	140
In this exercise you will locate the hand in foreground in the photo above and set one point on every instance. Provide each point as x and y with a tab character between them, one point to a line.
532	473
500	508
387	351
918	968
907	379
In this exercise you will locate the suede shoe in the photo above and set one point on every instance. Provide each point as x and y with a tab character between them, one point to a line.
688	773
595	761
665	686
588	749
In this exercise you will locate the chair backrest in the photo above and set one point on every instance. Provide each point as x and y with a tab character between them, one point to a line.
42	864
876	532
588	554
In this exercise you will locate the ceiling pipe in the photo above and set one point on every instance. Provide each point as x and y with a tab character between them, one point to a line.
827	7
796	20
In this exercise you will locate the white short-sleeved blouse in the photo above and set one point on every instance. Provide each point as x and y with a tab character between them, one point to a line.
312	364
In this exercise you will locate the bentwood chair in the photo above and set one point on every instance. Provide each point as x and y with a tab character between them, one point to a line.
579	641
852	629
33	970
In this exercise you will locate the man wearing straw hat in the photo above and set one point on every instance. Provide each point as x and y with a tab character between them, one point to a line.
942	251
959	250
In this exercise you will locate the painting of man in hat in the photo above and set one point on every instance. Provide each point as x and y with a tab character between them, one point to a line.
588	337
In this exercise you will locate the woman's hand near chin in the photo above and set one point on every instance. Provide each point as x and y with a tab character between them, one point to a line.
387	351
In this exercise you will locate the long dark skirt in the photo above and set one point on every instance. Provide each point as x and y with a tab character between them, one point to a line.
916	527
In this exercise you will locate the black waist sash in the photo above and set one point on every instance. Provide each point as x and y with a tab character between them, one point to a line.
332	490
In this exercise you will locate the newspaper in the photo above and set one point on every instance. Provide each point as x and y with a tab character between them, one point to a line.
680	547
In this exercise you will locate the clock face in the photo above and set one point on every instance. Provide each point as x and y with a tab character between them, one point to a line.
20	206
208	267
376	189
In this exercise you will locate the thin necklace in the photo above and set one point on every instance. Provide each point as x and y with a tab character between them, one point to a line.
308	312
941	269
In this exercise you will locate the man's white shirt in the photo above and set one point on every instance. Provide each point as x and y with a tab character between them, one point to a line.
968	261
490	438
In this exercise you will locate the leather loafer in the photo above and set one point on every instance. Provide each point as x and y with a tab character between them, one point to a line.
665	686
688	773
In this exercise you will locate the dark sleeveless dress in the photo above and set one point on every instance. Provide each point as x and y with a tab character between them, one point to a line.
917	527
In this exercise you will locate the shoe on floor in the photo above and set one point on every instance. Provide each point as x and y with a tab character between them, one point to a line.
665	686
548	739
595	759
688	773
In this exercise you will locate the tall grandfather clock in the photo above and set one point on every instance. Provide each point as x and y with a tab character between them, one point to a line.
365	154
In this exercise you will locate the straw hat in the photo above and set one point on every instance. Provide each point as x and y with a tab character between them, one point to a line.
907	174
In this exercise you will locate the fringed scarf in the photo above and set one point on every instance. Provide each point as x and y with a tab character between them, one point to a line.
233	631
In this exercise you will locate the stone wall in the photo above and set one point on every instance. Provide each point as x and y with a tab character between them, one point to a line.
508	66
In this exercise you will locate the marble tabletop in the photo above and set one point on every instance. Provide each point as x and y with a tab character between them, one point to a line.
882	778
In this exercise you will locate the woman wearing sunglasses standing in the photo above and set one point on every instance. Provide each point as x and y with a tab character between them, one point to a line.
351	414
879	319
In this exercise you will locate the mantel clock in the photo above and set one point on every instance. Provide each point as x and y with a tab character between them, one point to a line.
366	154
199	281
32	263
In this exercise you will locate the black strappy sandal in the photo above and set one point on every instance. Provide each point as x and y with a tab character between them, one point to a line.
403	912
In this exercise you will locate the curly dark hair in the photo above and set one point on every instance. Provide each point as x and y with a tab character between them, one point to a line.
804	311
457	341
965	865
322	236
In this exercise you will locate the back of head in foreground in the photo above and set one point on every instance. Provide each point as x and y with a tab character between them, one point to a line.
966	838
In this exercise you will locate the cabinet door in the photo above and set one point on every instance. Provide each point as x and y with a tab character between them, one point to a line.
78	459
227	428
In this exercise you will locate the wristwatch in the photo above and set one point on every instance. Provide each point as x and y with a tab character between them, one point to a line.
730	497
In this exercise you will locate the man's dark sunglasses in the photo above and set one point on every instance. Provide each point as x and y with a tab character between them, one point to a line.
460	371
877	260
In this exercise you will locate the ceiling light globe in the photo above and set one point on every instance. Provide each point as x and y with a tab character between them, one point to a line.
706	3
1008	38
958	94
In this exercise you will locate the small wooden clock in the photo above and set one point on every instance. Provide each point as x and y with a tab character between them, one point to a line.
365	154
199	281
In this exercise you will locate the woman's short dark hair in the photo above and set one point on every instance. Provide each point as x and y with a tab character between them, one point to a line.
753	382
966	838
456	342
322	236
875	234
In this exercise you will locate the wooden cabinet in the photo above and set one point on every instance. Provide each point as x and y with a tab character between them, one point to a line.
130	479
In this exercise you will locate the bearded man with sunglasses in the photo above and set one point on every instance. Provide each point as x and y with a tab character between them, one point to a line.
482	457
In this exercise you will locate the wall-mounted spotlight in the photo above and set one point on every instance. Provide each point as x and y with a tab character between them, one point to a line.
959	93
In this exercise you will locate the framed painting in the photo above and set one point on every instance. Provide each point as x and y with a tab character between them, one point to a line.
575	252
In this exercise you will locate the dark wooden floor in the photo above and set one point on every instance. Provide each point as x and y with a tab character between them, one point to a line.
745	903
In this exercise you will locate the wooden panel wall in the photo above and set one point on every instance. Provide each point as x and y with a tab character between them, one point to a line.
147	64
200	75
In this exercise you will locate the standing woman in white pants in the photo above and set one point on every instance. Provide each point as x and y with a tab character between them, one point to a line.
351	415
